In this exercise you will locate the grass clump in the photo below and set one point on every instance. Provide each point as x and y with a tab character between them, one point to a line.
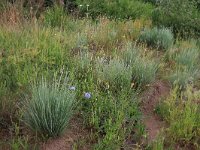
116	73
130	53
50	107
186	70
143	68
188	58
55	17
157	38
144	71
182	77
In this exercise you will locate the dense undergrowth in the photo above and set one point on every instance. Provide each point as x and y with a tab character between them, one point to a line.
58	67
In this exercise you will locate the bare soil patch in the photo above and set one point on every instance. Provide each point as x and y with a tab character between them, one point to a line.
150	100
75	136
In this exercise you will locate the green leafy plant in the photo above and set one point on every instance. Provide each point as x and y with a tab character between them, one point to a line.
181	111
158	38
50	106
8	78
114	117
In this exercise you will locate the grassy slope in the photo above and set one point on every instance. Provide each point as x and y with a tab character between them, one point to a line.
30	50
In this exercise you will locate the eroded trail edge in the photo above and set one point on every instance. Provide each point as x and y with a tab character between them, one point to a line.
150	100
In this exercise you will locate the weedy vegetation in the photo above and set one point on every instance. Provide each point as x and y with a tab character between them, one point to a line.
113	54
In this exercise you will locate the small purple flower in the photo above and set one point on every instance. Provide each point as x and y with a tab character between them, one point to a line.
72	88
87	95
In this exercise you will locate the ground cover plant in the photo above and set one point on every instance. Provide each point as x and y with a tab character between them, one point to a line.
98	75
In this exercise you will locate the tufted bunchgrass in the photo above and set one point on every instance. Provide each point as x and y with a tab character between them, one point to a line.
115	72
130	53
143	68
186	68
144	71
188	58
50	106
142	65
183	76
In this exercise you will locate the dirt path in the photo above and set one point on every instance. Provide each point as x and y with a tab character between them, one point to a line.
75	137
150	100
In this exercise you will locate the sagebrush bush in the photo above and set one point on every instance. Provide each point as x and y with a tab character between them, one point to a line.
186	67
50	106
84	61
157	38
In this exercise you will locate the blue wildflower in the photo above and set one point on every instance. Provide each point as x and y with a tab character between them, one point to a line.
87	95
72	88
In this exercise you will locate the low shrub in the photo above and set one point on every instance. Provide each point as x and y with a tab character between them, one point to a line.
143	68
144	71
50	106
157	38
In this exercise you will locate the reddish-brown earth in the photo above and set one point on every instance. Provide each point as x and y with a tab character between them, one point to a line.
150	100
75	136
